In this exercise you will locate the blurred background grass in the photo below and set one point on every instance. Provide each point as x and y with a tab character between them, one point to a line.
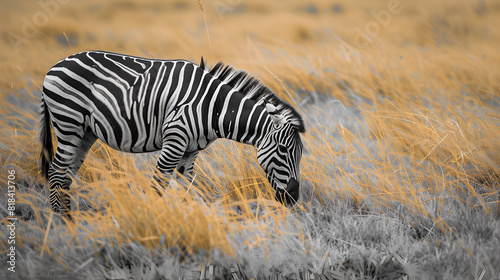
401	169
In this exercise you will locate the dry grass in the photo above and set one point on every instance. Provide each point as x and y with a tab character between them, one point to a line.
401	173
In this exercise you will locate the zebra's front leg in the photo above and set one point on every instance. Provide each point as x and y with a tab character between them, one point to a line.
172	152
186	164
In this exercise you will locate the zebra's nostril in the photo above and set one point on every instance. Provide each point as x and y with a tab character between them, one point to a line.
292	189
290	196
292	184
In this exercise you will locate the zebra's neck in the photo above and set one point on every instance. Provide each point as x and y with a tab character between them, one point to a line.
241	119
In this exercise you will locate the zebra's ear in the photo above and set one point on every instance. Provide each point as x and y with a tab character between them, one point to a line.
275	115
202	64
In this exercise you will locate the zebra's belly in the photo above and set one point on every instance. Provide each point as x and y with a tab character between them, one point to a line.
122	136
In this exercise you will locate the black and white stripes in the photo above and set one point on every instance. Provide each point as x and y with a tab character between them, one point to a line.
141	105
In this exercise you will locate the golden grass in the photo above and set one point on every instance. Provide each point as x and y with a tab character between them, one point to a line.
415	124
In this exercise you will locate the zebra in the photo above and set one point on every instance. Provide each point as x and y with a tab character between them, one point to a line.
177	107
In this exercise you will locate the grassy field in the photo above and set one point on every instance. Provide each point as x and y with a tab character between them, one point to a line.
401	169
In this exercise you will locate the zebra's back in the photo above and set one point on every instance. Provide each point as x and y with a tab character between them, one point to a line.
122	99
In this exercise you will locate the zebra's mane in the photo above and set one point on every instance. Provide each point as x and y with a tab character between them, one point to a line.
255	90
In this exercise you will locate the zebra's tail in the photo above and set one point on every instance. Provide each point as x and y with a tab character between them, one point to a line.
45	135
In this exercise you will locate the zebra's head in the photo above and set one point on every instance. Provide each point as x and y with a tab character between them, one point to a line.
279	155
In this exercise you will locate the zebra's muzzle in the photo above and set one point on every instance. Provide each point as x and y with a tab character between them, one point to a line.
291	195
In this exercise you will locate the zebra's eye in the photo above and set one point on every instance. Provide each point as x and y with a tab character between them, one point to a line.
282	149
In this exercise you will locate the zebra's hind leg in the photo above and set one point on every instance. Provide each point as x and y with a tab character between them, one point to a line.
81	153
60	180
67	161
